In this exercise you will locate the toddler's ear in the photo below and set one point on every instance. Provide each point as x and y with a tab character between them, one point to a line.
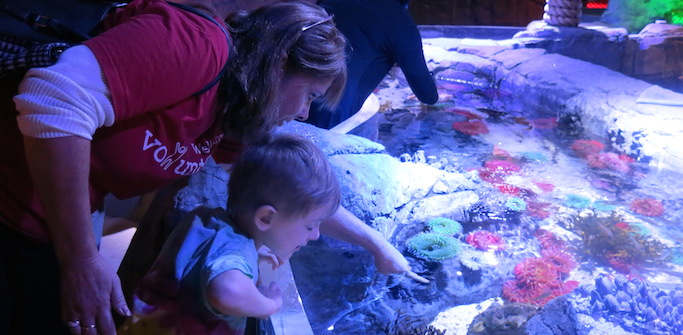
263	217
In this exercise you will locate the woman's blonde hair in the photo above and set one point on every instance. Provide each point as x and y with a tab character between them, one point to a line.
286	37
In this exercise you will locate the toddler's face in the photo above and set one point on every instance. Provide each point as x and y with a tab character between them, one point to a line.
296	94
289	233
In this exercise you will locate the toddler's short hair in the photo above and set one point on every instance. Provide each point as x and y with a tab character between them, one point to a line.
285	171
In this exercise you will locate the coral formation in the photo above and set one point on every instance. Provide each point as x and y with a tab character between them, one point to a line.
471	127
406	325
485	240
636	306
444	226
647	207
508	318
432	246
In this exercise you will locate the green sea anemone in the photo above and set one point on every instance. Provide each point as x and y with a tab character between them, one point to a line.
515	204
577	201
433	247
444	226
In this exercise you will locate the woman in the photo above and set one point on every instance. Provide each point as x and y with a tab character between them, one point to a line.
129	112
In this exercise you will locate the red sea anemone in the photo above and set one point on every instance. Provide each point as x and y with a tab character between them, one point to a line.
485	240
467	114
584	148
535	271
563	261
611	161
471	127
647	207
548	123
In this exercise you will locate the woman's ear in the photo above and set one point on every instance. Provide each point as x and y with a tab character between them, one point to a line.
263	217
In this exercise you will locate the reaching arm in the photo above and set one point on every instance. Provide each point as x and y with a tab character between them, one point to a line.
345	226
233	293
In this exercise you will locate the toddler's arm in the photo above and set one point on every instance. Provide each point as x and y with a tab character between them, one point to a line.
233	293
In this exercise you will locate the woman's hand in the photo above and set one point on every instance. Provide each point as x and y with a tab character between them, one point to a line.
90	289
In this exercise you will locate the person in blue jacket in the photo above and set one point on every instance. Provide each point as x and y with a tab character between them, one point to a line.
380	34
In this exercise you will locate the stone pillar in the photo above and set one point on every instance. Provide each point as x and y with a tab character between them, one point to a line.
563	13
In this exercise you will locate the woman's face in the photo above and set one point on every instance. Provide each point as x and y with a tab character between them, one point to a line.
297	93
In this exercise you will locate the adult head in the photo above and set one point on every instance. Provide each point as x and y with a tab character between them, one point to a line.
287	47
284	184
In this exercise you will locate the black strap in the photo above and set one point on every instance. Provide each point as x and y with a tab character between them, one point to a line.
227	37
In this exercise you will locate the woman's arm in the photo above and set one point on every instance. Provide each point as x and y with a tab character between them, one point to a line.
89	285
60	108
345	226
233	293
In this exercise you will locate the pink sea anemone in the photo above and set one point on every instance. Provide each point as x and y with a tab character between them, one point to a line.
647	207
471	127
545	186
501	166
611	161
485	240
584	148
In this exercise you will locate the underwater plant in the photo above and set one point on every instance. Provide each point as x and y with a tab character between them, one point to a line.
444	226
485	240
433	247
647	207
604	238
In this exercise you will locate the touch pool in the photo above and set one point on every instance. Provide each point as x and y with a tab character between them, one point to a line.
557	181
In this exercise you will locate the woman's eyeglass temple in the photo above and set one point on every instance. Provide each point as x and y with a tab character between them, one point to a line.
327	19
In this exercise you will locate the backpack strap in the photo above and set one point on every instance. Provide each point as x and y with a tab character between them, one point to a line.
227	37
